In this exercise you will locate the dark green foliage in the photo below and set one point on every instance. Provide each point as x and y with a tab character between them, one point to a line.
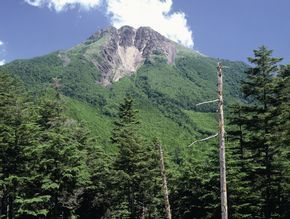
96	199
242	198
46	158
261	153
137	184
197	189
18	147
280	137
62	162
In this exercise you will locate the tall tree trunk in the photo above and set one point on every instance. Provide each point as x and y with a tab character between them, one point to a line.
223	182
164	184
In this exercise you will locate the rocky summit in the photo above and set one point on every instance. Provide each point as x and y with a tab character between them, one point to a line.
125	50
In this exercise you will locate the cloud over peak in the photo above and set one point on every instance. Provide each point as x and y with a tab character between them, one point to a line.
156	14
153	13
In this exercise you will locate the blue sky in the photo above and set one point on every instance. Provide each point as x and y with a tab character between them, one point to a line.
220	28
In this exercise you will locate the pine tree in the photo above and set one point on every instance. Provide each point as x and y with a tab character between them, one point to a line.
259	121
136	167
198	189
18	150
62	162
242	200
96	198
280	137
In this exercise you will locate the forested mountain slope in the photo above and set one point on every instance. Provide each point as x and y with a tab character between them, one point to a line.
165	80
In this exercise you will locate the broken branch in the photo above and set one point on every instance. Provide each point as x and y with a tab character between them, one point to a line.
205	139
211	101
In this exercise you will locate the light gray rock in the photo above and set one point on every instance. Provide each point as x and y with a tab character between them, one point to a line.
126	49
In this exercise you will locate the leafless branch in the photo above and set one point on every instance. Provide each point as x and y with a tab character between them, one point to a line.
211	101
205	139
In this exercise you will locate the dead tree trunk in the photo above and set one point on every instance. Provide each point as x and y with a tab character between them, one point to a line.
143	212
164	183
223	182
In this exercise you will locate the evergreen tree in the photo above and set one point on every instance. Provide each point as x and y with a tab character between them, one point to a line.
259	127
280	137
136	167
97	195
197	193
19	136
242	200
62	161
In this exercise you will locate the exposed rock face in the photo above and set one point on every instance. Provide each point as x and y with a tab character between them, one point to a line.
126	49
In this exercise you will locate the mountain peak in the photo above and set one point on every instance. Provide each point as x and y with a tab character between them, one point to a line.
125	49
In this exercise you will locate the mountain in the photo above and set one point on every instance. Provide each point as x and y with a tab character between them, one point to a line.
125	50
165	79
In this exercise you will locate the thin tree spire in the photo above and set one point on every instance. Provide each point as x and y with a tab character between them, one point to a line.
223	181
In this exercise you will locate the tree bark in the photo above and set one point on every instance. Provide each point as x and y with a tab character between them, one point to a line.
223	182
164	184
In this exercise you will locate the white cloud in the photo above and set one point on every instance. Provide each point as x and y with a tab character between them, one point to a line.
59	5
36	3
2	62
156	14
153	13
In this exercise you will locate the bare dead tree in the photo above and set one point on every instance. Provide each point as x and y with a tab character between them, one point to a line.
143	214
222	157
221	135
56	86
56	83
164	183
